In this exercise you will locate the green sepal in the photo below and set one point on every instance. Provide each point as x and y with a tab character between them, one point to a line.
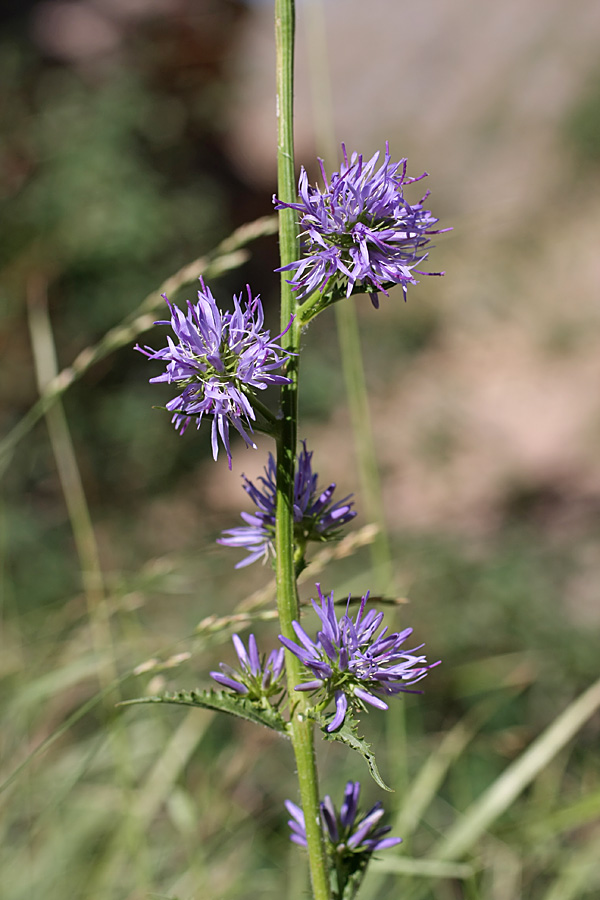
347	872
335	291
353	879
232	704
347	734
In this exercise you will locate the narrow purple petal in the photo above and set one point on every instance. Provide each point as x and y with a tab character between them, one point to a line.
369	698
295	812
341	706
329	817
241	651
387	842
350	804
309	685
365	826
229	682
253	655
298	839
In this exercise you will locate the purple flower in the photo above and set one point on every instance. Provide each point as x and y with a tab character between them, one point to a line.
316	517
360	234
219	360
256	678
351	664
347	835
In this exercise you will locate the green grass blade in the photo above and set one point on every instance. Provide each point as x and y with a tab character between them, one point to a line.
500	795
580	875
421	868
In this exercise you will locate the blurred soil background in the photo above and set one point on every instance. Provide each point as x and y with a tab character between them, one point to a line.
134	136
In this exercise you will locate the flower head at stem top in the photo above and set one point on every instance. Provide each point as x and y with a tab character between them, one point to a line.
316	516
256	678
218	361
360	233
351	839
351	664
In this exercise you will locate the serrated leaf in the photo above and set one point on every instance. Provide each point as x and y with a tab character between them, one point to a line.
348	734
232	704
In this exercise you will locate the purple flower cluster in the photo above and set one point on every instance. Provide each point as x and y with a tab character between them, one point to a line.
360	233
345	834
256	678
351	664
218	361
316	517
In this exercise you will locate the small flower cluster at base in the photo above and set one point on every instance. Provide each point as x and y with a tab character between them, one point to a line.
352	665
316	517
218	361
346	835
360	233
257	678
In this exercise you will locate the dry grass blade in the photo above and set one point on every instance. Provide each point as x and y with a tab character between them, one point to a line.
68	723
44	355
214	624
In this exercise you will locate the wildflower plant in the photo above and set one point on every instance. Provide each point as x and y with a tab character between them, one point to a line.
359	234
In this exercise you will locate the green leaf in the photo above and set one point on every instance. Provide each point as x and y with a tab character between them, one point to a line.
232	704
348	734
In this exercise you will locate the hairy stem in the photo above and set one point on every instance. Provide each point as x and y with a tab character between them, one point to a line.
287	593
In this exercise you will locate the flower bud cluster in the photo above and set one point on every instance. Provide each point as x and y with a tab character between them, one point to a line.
346	833
350	839
256	678
348	663
352	665
360	233
316	516
219	360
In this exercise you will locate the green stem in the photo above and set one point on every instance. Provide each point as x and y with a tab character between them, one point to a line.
287	593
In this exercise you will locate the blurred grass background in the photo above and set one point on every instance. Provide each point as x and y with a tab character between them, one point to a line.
135	136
